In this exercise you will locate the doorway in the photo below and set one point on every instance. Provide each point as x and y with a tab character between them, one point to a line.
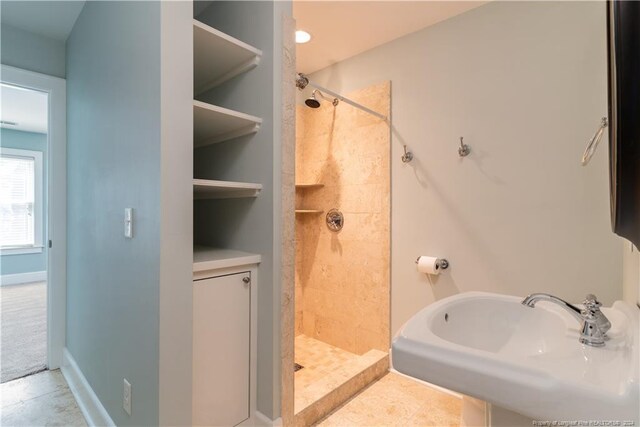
23	212
33	222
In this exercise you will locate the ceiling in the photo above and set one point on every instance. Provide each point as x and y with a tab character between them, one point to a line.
342	29
51	19
27	108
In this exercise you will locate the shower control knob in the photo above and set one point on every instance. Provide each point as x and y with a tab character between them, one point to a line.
246	280
335	220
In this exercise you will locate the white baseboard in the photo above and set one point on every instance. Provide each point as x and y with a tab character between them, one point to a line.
17	279
89	404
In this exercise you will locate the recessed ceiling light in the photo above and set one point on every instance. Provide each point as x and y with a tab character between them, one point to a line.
302	37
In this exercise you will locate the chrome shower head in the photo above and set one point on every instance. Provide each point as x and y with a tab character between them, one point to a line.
314	102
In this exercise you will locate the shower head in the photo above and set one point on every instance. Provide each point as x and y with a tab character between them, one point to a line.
303	81
314	102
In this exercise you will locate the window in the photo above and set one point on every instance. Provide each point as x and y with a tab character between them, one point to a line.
21	210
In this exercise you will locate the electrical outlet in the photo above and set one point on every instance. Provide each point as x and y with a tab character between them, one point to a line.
126	397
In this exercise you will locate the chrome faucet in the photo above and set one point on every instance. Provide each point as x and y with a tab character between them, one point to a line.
594	324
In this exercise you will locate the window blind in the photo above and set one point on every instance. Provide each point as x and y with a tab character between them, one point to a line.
17	198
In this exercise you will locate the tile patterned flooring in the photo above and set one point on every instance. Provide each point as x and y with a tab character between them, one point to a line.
43	399
319	359
395	400
330	377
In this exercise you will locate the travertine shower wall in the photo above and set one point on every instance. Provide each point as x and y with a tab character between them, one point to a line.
342	279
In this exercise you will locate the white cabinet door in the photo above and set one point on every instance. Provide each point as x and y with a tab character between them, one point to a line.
221	353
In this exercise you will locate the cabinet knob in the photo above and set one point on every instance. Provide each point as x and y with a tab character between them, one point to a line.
246	280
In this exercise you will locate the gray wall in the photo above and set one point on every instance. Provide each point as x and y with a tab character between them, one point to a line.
32	52
525	84
247	224
114	161
27	263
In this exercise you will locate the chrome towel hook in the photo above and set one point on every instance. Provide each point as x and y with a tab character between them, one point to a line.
407	156
593	143
464	149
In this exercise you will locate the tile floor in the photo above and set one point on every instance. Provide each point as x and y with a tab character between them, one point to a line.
395	400
43	399
319	359
331	375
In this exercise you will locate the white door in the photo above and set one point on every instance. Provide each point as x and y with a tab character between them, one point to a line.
221	340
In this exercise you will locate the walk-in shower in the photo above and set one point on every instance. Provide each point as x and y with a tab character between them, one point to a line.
342	285
302	81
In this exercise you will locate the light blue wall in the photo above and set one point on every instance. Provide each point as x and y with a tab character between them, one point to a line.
32	52
27	263
113	102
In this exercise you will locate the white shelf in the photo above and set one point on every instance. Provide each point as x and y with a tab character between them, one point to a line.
308	211
209	189
205	258
213	124
219	57
301	186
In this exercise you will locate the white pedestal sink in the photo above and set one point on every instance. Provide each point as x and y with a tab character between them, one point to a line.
527	360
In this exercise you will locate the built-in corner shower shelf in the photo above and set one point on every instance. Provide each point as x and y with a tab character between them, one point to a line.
303	186
219	57
213	124
209	189
207	258
308	211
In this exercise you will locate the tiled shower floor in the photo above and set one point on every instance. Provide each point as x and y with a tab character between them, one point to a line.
318	360
330	375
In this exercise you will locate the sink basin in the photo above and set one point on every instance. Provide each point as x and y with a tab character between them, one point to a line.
527	360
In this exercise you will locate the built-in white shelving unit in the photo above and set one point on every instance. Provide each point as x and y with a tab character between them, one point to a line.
213	124
206	258
219	57
225	280
210	189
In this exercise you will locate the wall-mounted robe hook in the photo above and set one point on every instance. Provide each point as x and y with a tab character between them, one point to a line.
464	149
407	156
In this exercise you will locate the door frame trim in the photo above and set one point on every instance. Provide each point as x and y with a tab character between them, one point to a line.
56	223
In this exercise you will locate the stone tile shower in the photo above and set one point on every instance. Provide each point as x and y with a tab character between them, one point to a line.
342	279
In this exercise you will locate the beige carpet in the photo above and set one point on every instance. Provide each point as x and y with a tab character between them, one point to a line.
23	330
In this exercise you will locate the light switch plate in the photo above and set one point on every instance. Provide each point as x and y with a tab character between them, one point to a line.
126	397
128	223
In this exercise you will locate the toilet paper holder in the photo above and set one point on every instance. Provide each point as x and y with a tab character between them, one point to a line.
442	263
